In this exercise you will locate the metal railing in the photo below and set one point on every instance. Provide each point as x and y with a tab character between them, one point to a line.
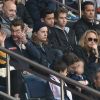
49	71
68	7
6	96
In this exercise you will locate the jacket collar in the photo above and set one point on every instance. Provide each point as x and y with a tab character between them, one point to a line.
65	28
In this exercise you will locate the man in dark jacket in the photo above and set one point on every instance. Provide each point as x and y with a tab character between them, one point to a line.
87	21
39	50
36	6
14	43
62	37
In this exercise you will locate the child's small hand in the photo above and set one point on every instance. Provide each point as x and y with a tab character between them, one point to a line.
85	82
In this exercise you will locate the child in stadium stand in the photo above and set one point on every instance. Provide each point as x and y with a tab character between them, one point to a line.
60	67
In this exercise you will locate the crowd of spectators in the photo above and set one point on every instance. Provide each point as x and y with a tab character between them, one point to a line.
39	31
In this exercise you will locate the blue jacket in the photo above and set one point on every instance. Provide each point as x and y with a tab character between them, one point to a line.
45	56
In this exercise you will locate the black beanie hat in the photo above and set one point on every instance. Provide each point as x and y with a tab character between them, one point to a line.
38	25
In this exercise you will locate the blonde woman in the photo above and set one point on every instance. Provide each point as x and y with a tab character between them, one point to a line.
88	47
89	51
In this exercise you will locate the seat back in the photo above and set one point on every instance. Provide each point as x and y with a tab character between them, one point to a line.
35	86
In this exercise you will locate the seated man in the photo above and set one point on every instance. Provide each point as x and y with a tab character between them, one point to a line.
87	21
62	37
47	16
7	15
14	43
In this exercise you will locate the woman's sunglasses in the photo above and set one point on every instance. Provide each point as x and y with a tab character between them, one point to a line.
93	39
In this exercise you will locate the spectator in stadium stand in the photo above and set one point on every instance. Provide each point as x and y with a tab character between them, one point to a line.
23	13
61	67
75	70
89	46
47	16
35	7
14	43
96	84
87	21
89	51
7	15
62	37
38	49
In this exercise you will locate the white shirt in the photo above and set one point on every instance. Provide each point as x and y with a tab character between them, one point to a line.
56	89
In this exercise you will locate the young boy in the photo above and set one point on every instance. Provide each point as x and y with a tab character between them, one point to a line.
60	67
78	72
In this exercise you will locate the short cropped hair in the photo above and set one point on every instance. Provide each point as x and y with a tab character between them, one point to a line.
45	12
84	4
60	65
17	22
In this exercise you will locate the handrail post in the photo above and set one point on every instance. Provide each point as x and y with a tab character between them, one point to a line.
62	89
8	76
63	2
80	12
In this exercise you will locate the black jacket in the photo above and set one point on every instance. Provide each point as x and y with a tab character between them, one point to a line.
83	25
63	40
43	55
82	53
17	63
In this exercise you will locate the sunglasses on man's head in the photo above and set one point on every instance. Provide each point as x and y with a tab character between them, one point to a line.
93	39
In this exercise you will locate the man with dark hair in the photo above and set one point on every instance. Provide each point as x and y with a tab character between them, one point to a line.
14	43
87	21
62	37
47	16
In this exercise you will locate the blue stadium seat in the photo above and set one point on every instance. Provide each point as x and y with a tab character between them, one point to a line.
36	88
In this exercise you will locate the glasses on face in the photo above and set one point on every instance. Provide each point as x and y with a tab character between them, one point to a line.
93	39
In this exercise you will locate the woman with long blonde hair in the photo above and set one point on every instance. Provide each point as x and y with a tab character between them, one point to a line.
89	51
89	47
